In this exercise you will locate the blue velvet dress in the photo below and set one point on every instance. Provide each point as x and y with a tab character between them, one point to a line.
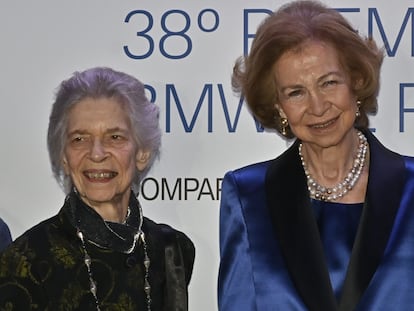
278	250
337	224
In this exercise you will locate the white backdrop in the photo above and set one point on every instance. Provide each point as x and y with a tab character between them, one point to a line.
44	41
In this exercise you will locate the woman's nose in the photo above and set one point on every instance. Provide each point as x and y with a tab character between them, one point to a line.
318	104
97	152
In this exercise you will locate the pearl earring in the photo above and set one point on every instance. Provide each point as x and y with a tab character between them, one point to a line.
358	112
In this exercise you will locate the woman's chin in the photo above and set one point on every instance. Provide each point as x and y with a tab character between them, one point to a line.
96	198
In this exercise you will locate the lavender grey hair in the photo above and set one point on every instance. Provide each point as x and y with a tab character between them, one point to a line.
102	82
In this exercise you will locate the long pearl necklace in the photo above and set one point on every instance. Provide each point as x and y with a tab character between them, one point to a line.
323	193
93	288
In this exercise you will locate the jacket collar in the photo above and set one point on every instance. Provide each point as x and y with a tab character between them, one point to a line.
104	234
385	184
297	232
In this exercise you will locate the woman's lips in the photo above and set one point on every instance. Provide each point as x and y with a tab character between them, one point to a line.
99	175
323	125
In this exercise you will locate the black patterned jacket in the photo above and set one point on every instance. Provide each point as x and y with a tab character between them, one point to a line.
44	269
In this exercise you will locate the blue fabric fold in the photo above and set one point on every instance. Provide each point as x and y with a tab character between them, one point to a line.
253	275
338	224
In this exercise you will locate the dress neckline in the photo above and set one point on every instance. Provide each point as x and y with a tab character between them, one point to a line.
104	234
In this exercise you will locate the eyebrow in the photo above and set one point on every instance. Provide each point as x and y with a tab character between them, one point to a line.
335	73
109	130
324	76
116	129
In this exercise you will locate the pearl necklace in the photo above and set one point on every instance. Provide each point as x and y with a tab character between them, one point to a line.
323	193
93	288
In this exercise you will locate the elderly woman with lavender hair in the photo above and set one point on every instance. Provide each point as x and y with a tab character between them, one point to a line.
99	252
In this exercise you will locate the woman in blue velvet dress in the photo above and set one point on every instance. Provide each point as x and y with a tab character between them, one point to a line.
328	224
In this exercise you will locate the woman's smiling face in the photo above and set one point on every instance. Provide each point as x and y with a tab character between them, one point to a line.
100	154
315	94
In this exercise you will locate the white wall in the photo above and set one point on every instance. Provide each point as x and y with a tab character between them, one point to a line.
44	41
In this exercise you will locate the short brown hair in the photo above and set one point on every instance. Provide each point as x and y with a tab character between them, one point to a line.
288	28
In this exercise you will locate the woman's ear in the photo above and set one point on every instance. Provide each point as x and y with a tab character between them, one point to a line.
65	165
280	110
358	84
142	159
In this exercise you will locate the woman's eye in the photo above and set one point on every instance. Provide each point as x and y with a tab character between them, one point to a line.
117	138
77	139
330	83
294	93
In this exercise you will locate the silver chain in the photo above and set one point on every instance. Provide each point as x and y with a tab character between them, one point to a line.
93	287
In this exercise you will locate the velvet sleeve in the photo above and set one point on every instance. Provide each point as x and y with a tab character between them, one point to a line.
20	287
235	283
179	261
